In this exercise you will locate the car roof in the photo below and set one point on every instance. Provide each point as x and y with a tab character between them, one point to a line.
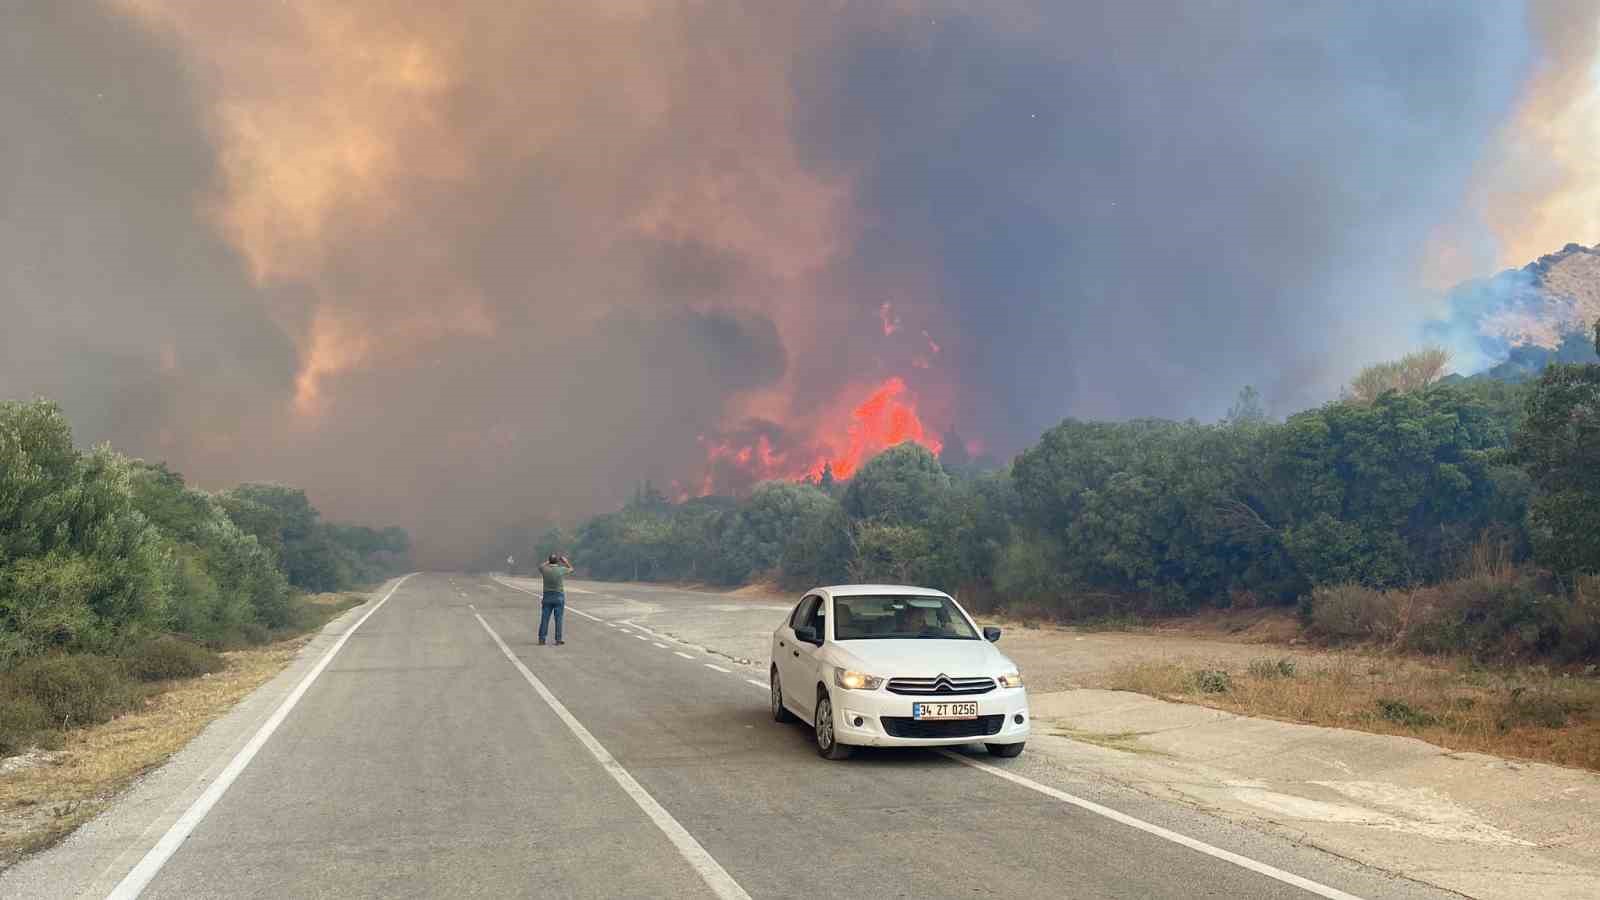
900	590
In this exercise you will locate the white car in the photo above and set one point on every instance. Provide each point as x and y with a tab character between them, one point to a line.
892	666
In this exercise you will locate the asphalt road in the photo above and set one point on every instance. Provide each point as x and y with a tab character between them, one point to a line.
425	762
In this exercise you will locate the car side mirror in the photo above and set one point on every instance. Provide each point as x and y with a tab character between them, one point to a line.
991	633
806	633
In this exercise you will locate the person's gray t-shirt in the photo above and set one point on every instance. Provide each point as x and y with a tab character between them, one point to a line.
555	577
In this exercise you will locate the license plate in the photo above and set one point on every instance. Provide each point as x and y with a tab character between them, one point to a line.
966	710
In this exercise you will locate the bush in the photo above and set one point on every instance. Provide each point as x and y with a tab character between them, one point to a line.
169	657
1272	668
20	719
1212	681
1352	612
75	690
1401	713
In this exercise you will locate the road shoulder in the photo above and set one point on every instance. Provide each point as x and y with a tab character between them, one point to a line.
90	862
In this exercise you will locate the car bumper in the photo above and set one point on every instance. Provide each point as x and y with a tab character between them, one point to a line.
872	707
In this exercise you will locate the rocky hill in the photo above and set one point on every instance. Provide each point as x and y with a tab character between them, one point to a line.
1517	322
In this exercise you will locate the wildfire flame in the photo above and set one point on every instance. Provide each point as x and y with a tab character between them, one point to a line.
888	416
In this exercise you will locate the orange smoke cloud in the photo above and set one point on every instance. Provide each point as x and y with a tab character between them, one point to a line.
1542	190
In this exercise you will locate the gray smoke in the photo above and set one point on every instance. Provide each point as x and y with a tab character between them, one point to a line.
579	245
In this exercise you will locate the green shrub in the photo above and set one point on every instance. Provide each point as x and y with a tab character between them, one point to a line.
1212	681
1401	713
76	690
20	719
169	657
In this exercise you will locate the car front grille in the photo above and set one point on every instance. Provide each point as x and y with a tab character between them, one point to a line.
907	727
942	685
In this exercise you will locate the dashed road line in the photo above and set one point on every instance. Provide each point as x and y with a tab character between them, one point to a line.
684	655
760	684
659	646
719	669
641	637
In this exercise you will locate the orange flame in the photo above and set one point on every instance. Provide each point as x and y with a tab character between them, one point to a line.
881	422
888	416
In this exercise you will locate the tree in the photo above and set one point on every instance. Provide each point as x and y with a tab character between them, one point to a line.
827	481
1559	448
902	485
1246	408
1413	372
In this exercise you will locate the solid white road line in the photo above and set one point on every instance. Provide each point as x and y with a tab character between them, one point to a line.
142	873
715	877
576	612
719	669
684	655
1244	862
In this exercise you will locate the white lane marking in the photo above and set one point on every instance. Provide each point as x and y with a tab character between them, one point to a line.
576	612
760	684
145	870
716	877
659	646
641	637
684	655
719	669
611	624
1244	862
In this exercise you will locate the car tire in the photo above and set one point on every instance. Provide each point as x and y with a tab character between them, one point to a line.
780	713
1006	751
828	746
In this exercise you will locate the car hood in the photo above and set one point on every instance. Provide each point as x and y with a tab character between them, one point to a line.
923	658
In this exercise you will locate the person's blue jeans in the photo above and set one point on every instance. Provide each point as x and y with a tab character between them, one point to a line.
555	604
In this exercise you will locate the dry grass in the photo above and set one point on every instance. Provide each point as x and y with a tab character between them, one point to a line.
48	794
1526	714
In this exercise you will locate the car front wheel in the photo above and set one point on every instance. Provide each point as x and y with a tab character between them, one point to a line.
780	713
828	746
1005	751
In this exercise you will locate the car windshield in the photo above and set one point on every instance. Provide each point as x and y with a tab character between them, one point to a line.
871	617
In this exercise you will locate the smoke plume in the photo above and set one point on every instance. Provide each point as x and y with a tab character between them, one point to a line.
465	266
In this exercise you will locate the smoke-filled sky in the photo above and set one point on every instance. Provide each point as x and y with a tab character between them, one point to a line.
459	266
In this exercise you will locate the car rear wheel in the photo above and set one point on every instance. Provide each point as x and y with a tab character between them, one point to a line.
780	713
828	746
1005	751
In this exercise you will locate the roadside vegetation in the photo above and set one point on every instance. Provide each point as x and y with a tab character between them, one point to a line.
118	580
1526	712
1416	513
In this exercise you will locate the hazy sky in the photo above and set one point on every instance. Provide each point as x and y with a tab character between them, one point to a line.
459	269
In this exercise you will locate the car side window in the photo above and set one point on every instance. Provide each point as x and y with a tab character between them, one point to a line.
803	613
794	615
814	616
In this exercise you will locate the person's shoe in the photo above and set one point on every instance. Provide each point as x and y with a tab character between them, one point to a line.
559	643
541	642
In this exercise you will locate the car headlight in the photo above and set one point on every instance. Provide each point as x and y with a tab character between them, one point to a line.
1010	680
856	681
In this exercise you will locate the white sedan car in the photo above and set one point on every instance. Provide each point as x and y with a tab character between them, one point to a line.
893	666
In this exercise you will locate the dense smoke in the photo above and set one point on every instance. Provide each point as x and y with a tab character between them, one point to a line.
459	267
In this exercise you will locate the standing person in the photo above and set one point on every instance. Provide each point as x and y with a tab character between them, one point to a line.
555	571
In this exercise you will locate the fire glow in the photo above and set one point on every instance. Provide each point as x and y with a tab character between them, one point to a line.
887	417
